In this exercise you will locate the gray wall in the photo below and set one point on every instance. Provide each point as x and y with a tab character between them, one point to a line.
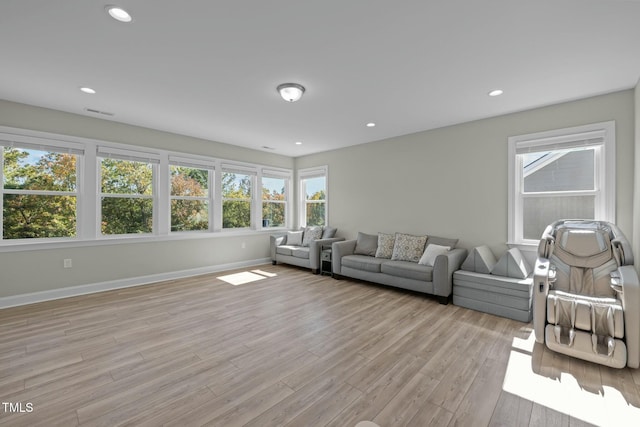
453	181
450	181
42	270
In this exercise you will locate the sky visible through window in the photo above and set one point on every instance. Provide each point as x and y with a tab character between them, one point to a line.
273	184
313	185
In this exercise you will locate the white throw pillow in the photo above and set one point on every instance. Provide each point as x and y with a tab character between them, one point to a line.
294	238
430	254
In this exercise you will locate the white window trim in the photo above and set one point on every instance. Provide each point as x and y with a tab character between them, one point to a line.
47	145
605	173
88	192
279	174
302	196
195	163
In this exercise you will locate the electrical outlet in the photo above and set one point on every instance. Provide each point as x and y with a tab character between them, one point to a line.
68	263
243	245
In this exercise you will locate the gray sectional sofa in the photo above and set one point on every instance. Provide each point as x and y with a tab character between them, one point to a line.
303	247
418	263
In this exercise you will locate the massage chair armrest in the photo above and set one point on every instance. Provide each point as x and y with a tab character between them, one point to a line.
541	284
630	298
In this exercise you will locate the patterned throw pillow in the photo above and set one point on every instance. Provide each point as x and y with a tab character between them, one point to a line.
408	247
311	234
385	245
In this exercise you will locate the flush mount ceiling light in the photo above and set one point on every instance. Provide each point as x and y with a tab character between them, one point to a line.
371	125
496	92
119	14
298	142
290	92
88	90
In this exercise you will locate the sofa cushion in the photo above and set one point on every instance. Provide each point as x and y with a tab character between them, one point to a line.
408	247
408	270
385	245
301	252
366	244
512	264
311	234
363	262
442	241
286	249
329	232
431	252
294	238
480	260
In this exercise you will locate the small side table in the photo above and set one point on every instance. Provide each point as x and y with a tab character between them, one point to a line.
325	261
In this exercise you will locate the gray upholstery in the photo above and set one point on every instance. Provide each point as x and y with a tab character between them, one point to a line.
499	295
363	262
587	293
299	255
366	244
436	280
480	260
512	264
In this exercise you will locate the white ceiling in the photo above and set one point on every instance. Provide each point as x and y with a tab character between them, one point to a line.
209	69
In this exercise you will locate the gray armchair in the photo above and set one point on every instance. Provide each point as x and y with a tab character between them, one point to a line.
587	294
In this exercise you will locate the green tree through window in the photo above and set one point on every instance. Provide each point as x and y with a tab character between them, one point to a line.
40	194
127	197
236	200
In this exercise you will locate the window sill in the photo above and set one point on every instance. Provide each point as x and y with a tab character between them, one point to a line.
24	245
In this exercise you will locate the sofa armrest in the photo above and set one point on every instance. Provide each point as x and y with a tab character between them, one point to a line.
443	270
630	302
315	249
338	250
276	240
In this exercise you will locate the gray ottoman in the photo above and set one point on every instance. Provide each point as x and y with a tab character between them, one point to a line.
499	295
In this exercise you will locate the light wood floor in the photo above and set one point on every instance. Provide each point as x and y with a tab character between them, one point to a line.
291	349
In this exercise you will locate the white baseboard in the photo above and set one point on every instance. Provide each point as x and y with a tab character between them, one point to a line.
72	291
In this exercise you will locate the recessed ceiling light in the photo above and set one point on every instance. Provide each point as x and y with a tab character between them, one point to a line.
119	14
496	92
87	90
298	142
371	124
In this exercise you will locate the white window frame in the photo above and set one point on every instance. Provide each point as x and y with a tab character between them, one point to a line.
277	174
599	135
116	153
88	186
194	163
8	140
242	169
308	173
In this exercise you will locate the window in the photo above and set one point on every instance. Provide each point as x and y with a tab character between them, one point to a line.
313	196
236	198
63	191
274	201
563	174
126	191
39	191
190	195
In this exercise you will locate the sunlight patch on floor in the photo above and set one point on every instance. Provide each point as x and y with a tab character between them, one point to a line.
241	278
562	391
264	273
